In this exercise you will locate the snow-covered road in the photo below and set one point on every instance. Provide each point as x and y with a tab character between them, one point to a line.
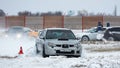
95	55
61	62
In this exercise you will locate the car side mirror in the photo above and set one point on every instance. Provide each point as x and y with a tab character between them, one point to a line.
41	37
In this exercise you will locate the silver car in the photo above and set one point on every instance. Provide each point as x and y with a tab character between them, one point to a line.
58	41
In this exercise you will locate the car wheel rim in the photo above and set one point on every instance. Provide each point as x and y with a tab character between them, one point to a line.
111	39
85	39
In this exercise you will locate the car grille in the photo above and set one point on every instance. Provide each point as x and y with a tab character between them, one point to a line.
65	46
59	52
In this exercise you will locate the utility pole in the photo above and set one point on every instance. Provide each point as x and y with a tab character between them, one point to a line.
115	10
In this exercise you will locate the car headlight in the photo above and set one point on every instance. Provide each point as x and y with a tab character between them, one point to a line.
6	35
77	44
51	44
19	35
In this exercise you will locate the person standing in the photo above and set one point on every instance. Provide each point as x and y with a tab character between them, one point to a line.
99	26
108	24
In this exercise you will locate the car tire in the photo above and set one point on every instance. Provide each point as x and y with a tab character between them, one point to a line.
111	39
37	51
77	56
43	53
85	39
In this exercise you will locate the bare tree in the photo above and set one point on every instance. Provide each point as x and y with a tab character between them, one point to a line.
57	13
82	13
2	13
24	13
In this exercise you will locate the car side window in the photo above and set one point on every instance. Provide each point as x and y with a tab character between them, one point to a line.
115	29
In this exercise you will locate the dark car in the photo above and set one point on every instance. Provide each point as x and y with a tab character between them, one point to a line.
112	34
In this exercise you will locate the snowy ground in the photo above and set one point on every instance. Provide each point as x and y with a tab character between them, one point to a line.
94	55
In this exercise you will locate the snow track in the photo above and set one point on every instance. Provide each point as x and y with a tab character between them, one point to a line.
94	55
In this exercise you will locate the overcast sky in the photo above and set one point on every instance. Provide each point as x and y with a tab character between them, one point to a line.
12	7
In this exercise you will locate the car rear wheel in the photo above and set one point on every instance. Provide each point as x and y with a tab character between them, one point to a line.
85	39
111	39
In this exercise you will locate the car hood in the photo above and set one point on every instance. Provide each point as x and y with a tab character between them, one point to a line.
69	41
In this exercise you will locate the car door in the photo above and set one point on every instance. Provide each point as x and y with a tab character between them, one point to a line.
93	34
116	33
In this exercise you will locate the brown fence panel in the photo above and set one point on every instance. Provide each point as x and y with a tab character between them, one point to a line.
73	22
34	22
2	22
53	21
15	21
113	20
91	21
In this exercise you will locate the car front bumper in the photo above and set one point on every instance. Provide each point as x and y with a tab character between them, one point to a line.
63	50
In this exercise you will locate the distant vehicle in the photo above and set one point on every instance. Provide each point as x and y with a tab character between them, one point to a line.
58	41
2	32
112	34
17	31
90	34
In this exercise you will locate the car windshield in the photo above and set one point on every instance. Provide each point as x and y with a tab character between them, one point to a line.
60	34
16	30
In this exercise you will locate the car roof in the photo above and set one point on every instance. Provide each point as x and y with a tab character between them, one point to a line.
57	29
113	27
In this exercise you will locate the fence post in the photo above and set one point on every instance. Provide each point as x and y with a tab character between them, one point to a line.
43	22
5	21
82	22
102	20
62	21
24	21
